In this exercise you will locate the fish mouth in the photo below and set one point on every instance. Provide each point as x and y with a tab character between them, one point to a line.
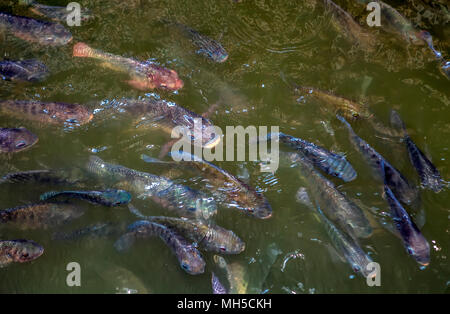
212	143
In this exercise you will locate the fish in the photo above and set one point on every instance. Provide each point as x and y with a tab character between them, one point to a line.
429	175
345	245
210	237
331	163
23	70
349	28
189	257
224	185
102	229
404	190
208	47
217	286
54	113
340	105
38	176
238	278
338	208
108	198
415	243
34	31
19	251
57	13
40	215
144	75
14	140
176	197
169	115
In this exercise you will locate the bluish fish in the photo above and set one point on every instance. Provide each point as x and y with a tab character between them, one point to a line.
109	198
217	286
23	70
14	140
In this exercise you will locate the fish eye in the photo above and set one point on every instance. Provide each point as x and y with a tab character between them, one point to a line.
223	249
192	209
356	268
410	251
185	266
21	144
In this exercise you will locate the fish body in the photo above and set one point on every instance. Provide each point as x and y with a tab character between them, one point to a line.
40	216
144	75
346	214
189	257
56	13
38	176
413	240
97	230
47	112
31	30
333	164
13	140
19	251
187	202
396	181
212	238
348	27
236	275
109	198
170	115
347	108
237	193
23	70
207	47
217	286
429	175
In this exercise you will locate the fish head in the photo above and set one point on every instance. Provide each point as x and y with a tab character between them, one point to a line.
215	52
359	262
192	261
18	139
73	114
419	248
57	35
117	197
261	209
227	242
159	77
23	251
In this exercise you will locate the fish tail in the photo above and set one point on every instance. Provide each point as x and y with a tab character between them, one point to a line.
397	122
48	195
125	242
82	50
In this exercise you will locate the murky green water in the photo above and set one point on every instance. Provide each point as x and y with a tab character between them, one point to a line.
266	40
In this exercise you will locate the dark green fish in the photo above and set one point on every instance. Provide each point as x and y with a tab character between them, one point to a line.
189	257
429	175
103	229
224	186
207	46
16	140
342	242
211	237
19	251
39	176
413	240
23	70
169	116
46	112
404	191
187	202
55	13
109	198
346	214
40	32
333	164
41	215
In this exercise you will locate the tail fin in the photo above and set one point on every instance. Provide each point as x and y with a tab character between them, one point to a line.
125	242
397	122
82	50
48	195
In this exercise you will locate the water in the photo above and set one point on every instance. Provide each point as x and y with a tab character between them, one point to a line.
266	40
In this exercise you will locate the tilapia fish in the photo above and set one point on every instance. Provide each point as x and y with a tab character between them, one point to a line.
46	112
109	198
40	32
413	240
16	140
19	251
344	244
185	201
404	191
340	105
348	27
216	285
188	256
225	186
207	46
39	176
98	230
170	115
57	14
144	75
210	237
429	175
23	70
238	278
349	217
332	164
40	215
